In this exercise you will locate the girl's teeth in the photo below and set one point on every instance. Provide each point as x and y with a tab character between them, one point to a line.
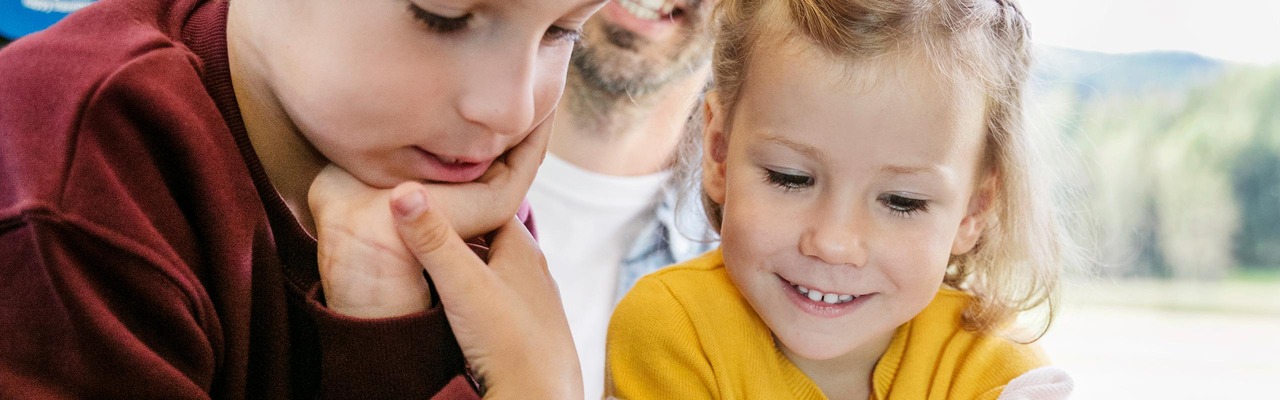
829	298
815	295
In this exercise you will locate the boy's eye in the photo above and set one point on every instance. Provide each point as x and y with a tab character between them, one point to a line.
438	23
557	35
904	205
788	181
442	24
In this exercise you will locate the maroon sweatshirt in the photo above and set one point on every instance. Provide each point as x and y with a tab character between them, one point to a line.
144	253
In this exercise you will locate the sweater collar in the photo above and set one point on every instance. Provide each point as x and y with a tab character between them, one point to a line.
205	33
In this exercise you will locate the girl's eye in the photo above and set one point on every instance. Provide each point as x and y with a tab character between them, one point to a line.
787	181
438	23
558	35
904	206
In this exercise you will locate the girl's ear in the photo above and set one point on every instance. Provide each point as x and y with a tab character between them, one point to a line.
979	213
715	148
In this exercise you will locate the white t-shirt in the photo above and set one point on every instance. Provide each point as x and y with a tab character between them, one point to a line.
586	223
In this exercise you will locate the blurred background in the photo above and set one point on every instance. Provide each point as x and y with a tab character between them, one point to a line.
21	17
1174	109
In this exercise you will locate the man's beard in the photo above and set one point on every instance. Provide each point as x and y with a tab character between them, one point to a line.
613	69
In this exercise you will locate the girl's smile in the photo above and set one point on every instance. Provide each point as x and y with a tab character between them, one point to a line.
823	304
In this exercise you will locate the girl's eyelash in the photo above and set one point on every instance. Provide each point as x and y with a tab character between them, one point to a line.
904	206
788	182
438	23
899	205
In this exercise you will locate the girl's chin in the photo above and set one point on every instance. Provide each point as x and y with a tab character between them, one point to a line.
815	349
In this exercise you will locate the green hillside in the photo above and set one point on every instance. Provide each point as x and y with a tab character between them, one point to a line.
1099	74
1181	156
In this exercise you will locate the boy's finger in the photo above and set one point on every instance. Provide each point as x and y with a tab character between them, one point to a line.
332	183
428	235
526	156
513	247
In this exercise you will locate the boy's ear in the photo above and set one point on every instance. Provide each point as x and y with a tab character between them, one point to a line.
715	148
976	219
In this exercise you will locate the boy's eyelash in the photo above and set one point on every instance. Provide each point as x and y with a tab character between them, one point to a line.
557	34
904	206
438	23
441	24
787	182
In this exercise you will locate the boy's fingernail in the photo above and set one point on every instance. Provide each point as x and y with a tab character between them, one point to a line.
410	205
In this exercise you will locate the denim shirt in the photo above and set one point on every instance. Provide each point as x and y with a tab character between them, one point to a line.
677	232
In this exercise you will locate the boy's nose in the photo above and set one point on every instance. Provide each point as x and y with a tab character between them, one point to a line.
499	96
836	238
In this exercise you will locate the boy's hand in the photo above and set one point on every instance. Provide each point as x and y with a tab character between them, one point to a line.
479	207
365	269
506	314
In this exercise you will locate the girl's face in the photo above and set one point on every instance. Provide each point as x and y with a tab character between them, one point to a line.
846	188
427	90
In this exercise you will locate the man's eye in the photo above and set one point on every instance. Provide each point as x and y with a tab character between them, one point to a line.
557	35
904	206
788	181
438	23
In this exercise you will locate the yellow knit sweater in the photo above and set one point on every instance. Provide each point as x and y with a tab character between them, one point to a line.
685	332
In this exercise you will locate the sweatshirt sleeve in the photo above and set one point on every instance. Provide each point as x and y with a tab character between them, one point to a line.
410	356
94	302
87	314
653	351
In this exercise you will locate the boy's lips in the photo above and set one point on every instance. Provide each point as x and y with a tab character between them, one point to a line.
456	169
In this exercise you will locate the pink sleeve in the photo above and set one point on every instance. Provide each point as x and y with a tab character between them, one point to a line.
525	214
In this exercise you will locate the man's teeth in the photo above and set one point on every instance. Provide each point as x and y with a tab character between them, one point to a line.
447	160
829	298
648	9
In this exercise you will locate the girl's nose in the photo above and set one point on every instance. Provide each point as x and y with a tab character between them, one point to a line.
836	237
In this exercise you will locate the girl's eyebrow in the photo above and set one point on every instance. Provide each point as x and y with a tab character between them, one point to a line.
796	146
909	170
891	169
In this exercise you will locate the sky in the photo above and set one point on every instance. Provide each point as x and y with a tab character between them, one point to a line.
1235	30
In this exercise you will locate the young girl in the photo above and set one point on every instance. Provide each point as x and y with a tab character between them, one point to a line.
196	201
866	166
